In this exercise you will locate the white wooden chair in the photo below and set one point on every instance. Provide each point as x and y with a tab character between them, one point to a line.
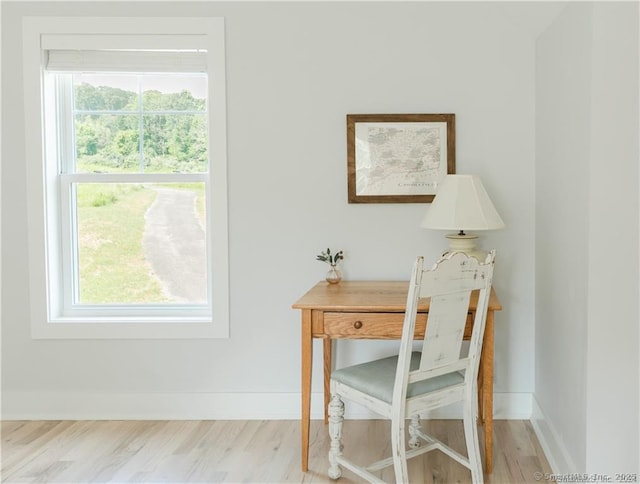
401	387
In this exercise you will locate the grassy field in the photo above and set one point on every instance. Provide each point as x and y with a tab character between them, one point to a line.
112	263
113	268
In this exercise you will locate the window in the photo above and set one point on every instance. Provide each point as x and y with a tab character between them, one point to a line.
129	164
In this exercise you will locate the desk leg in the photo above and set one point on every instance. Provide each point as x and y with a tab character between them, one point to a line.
487	390
327	376
307	352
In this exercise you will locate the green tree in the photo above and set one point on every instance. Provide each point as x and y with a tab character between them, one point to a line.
173	140
102	98
86	139
126	147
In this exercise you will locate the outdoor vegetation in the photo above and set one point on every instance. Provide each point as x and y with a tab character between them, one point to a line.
108	129
111	216
113	268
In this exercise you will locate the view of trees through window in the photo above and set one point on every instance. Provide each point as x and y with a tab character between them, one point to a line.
126	130
140	242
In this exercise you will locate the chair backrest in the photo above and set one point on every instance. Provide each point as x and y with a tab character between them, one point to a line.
449	284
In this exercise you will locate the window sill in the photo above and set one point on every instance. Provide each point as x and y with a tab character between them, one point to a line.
130	328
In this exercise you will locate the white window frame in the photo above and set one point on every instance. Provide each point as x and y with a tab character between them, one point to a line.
50	318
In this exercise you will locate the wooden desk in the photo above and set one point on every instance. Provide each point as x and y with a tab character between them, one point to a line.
375	310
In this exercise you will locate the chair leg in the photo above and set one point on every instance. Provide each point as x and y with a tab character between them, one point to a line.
414	441
471	437
336	417
399	450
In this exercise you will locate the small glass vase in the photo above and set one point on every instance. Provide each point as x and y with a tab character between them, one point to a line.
334	276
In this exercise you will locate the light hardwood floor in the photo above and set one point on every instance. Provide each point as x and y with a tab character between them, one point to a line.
253	451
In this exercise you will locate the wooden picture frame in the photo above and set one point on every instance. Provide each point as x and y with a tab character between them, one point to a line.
398	158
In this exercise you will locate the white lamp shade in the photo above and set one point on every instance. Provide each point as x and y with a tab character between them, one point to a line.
462	203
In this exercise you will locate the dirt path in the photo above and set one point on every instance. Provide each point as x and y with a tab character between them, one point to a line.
174	244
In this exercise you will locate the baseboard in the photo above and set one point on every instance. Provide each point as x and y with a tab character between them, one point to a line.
204	406
551	442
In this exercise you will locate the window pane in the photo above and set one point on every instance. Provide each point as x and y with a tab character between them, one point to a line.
107	143
105	92
177	92
175	143
141	243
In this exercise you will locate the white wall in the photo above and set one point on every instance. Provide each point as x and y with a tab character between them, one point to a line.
587	238
294	70
563	93
612	344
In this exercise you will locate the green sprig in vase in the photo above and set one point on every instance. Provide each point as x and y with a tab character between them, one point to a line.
334	275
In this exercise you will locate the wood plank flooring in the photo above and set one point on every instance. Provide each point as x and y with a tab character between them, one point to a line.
266	451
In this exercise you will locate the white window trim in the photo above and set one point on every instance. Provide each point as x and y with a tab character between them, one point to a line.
42	239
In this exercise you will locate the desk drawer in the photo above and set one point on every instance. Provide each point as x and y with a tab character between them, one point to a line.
368	325
376	325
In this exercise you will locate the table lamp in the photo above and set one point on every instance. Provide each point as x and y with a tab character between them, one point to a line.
461	203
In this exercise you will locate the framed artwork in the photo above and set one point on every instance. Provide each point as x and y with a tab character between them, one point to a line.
398	158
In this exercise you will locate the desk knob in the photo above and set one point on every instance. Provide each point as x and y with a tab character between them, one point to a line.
357	324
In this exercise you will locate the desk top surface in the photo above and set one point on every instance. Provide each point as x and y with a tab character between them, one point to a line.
370	296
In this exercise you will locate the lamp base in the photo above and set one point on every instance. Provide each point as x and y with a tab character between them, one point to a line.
465	243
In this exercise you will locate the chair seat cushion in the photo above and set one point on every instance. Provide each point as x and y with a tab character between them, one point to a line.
376	378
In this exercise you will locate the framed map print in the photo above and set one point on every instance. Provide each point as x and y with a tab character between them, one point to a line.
398	158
